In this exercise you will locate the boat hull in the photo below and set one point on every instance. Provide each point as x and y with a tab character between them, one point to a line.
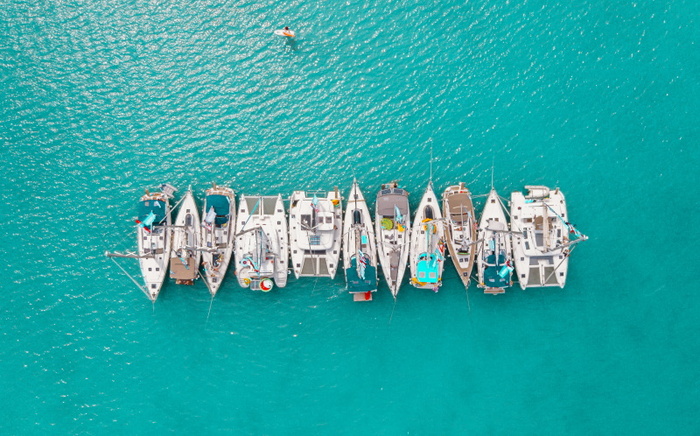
217	237
262	247
185	256
393	234
540	237
315	227
494	259
359	250
154	246
427	252
460	229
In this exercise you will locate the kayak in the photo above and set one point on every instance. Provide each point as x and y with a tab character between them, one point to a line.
287	33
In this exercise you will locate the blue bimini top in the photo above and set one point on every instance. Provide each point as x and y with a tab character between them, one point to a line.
221	206
357	283
156	206
427	268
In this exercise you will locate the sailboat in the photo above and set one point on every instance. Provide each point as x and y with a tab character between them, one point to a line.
494	259
392	223
315	227
185	256
359	250
427	255
153	236
542	237
262	248
217	232
460	229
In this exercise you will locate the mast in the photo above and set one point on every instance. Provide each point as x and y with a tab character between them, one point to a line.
354	194
496	247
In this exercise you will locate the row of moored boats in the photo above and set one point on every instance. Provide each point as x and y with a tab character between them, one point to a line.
261	238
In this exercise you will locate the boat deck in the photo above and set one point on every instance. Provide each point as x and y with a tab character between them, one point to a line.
183	272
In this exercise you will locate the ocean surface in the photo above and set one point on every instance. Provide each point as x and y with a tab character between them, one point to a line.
100	100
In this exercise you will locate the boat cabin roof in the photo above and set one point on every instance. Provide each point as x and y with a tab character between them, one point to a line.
457	201
324	221
386	202
460	207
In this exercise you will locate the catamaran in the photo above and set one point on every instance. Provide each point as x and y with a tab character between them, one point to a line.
393	224
460	228
427	257
542	237
494	258
262	248
185	255
315	227
153	236
217	232
359	251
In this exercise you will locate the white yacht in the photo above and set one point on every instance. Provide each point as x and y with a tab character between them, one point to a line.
315	227
359	250
185	256
393	223
217	232
262	248
427	256
542	237
494	258
460	227
154	237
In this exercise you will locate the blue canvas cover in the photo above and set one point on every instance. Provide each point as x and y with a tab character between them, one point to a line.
491	259
356	283
427	268
497	275
221	204
157	207
494	280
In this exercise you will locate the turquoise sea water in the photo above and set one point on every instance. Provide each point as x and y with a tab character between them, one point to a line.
100	100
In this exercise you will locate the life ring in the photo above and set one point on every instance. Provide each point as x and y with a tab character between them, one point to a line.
387	224
246	281
266	285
